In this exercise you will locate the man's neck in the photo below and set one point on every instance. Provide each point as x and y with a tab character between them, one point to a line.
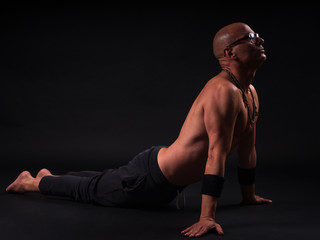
244	76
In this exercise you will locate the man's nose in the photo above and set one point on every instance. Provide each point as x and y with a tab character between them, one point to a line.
260	41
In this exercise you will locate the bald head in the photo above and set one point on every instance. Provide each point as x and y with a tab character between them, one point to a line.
227	35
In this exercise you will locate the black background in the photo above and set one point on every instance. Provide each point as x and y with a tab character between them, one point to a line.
88	86
91	86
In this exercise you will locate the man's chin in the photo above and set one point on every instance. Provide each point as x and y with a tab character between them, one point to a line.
262	59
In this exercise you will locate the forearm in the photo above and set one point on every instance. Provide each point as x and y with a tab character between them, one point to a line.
216	162
208	206
247	159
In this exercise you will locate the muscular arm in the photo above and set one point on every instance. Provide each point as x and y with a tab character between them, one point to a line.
246	149
247	158
220	113
219	118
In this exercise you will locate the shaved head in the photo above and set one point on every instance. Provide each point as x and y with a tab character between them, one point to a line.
227	35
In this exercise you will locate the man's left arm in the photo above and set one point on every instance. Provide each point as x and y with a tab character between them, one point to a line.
247	160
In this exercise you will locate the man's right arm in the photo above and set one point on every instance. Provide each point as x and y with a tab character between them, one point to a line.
220	113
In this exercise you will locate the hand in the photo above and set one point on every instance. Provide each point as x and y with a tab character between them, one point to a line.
256	200
202	227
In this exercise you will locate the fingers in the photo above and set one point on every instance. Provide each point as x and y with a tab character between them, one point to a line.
186	231
266	201
190	231
194	232
257	200
219	229
197	230
261	200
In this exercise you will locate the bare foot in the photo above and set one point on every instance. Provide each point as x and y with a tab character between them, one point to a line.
24	183
43	172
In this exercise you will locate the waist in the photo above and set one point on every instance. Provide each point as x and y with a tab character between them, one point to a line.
155	170
183	165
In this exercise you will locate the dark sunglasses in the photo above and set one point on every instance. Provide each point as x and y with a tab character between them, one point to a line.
252	36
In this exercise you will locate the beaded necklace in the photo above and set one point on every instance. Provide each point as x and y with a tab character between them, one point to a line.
252	119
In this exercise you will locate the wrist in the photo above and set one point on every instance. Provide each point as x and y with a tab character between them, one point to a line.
206	217
212	185
208	206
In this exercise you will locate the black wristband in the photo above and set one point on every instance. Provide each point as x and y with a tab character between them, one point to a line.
246	176
212	185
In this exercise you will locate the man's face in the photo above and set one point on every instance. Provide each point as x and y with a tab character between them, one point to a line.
249	51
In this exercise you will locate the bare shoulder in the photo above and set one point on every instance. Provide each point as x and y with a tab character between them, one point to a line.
253	89
255	94
220	90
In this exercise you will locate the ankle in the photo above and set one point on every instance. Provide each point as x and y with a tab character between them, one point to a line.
35	185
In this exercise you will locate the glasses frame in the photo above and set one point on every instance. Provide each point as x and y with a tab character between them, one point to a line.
252	36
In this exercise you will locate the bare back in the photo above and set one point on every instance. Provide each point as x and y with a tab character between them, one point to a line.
184	161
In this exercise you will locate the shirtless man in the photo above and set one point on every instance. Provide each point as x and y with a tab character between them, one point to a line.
221	119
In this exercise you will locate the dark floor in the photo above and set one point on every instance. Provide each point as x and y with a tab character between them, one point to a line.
294	213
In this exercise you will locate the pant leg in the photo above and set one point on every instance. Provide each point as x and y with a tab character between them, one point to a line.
76	187
105	188
84	173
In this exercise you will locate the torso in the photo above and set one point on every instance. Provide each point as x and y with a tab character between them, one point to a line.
184	161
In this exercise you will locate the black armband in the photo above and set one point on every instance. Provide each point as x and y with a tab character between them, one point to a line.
212	185
246	176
